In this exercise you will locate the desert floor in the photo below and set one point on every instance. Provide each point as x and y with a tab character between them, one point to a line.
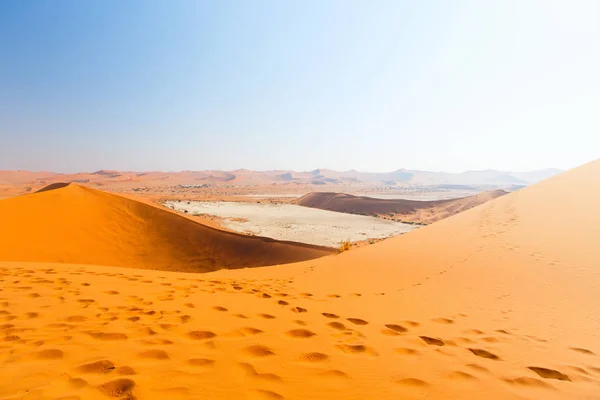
294	223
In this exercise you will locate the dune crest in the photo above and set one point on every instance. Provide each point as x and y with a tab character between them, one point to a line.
406	210
74	224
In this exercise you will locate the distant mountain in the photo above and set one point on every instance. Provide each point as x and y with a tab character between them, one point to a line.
401	177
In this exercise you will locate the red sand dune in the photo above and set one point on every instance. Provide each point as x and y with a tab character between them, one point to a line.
499	302
406	210
75	224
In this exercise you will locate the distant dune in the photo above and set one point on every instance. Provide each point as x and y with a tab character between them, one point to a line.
406	210
19	182
75	224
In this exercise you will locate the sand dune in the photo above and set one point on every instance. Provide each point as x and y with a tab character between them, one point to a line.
406	210
53	186
497	302
75	224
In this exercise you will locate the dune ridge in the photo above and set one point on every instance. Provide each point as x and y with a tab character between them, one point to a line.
425	212
498	302
76	224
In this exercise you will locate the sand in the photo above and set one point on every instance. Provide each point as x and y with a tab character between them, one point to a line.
498	302
424	212
75	224
431	195
294	223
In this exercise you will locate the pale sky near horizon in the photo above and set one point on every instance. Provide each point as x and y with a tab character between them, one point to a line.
340	84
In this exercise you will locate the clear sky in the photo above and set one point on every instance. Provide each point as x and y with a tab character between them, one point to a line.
267	84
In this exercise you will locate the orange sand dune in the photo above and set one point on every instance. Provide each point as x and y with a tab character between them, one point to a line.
406	210
498	302
75	224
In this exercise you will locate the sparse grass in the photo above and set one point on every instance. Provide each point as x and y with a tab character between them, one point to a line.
344	246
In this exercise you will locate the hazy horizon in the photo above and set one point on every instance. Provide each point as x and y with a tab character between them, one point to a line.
283	170
434	86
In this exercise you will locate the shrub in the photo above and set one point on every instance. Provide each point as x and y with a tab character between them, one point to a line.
344	246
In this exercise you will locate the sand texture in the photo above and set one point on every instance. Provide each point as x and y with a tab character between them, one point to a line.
498	302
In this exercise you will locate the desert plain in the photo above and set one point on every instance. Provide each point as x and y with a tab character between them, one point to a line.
109	294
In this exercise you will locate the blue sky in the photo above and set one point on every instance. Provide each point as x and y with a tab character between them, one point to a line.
368	85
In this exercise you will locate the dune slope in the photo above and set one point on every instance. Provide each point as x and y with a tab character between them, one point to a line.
75	224
407	210
498	302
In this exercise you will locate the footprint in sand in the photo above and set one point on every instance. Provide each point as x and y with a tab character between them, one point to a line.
77	383
266	316
49	354
201	335
185	318
394	330
582	350
251	371
462	376
484	354
356	349
329	315
548	373
258	351
107	335
528	382
269	395
473	332
432	341
337	325
300	333
249	331
479	368
445	321
98	367
125	370
121	388
219	308
410	382
154	354
357	321
314	357
201	362
405	351
76	318
333	374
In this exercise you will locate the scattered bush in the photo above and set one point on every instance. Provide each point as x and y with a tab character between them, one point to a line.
344	246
